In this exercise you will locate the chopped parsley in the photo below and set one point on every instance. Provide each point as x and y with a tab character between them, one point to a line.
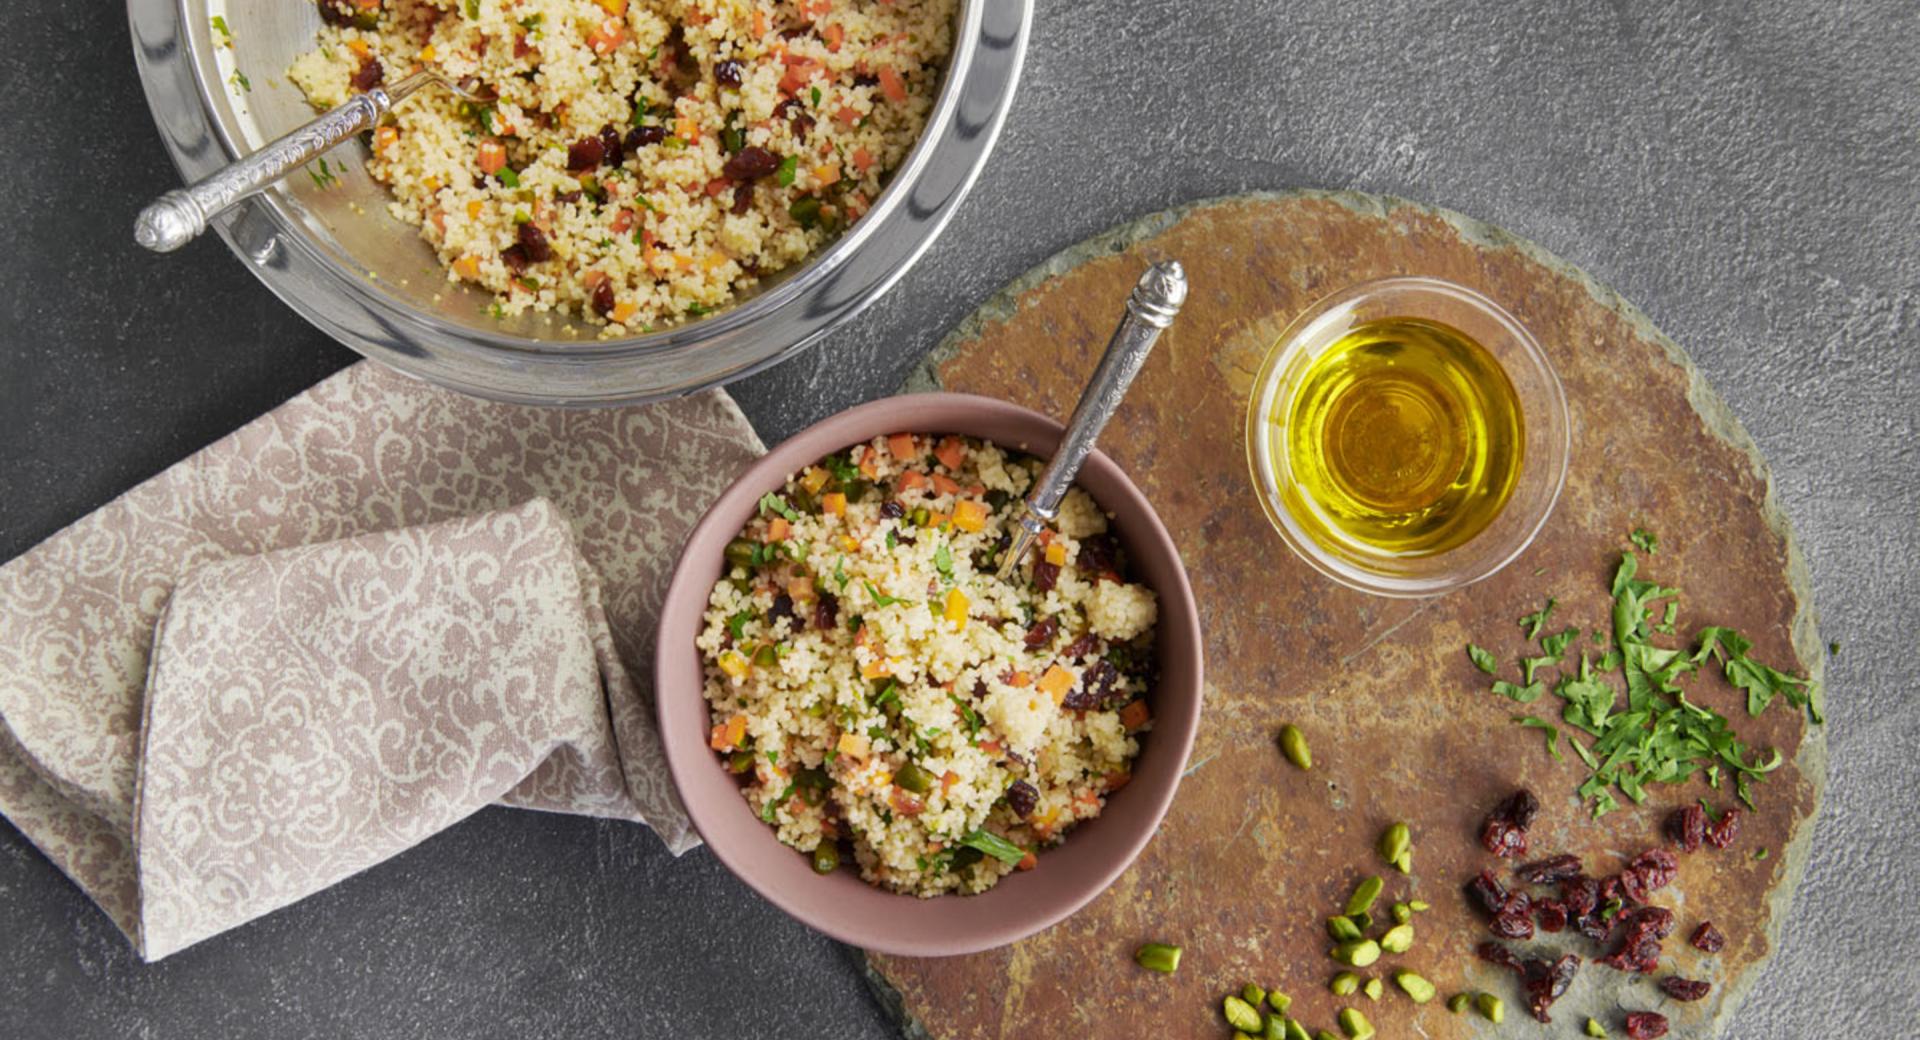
1658	736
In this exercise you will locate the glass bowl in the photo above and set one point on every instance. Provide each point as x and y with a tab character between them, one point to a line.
344	263
1545	437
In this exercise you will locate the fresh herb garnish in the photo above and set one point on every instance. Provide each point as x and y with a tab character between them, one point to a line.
1522	694
1482	659
1552	731
816	97
882	600
993	845
1534	621
968	715
767	811
226	34
840	573
737	624
239	79
1645	541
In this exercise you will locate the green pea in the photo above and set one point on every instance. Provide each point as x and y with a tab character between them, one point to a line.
740	761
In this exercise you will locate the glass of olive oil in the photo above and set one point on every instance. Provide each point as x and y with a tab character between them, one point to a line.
1407	436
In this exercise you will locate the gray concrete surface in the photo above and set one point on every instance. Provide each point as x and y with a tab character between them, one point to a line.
1746	173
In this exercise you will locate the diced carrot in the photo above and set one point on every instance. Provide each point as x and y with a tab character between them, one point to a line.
945	485
991	747
718	187
846	116
778	529
868	468
623	311
852	745
977	490
938	521
951	451
956	607
1020	679
892	85
686	129
1027	862
1045	536
835	35
1056	683
862	159
622	222
432	183
1135	715
1118	779
759	23
902	446
947	780
969	515
799	73
467	267
492	155
611	33
728	734
1057	554
834	503
911	479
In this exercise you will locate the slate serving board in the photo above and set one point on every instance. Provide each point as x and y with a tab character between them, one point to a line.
1254	853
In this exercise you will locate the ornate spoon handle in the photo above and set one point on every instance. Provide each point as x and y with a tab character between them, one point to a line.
179	216
1150	308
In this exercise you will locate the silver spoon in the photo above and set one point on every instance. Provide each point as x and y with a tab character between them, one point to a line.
1150	308
179	216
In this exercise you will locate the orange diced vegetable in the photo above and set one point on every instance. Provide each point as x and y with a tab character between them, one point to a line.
800	589
991	747
615	7
868	468
834	503
878	668
862	159
623	311
902	446
759	23
686	129
1027	862
846	116
1135	715
951	451
611	33
359	48
385	138
728	734
849	543
853	745
733	664
475	207
1020	679
427	53
835	35
467	267
827	173
1057	554
956	608
945	485
778	529
814	479
799	73
911	479
904	803
1056	683
492	155
892	85
623	222
969	515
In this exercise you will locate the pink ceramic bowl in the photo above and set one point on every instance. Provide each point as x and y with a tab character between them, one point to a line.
840	904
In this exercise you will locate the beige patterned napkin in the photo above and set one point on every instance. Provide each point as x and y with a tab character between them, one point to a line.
225	793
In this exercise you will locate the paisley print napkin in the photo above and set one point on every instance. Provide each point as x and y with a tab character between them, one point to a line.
268	761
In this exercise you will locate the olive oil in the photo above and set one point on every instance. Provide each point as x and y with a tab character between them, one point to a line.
1404	437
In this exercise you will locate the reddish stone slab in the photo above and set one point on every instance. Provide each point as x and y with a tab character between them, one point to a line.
1255	854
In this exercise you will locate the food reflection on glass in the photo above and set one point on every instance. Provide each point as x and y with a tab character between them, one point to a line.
1407	436
882	693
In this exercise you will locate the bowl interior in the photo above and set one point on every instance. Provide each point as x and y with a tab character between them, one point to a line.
347	221
840	904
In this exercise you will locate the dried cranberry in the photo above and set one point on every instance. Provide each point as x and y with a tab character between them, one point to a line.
742	197
892	510
1044	576
1639	949
1688	827
1511	925
1550	914
866	79
641	136
826	611
727	73
796	115
1722	834
1549	871
515	257
1082	648
534	241
1505	832
1042	633
1546	982
750	164
1099	556
611	151
782	603
585	154
1494	953
1097	688
1022	798
569	197
1684	989
1581	894
1489	892
369	75
1707	938
603	298
1652	871
1645	1025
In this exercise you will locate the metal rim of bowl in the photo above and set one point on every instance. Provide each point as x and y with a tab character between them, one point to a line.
321	284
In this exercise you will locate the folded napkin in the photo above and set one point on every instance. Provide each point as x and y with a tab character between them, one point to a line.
347	625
